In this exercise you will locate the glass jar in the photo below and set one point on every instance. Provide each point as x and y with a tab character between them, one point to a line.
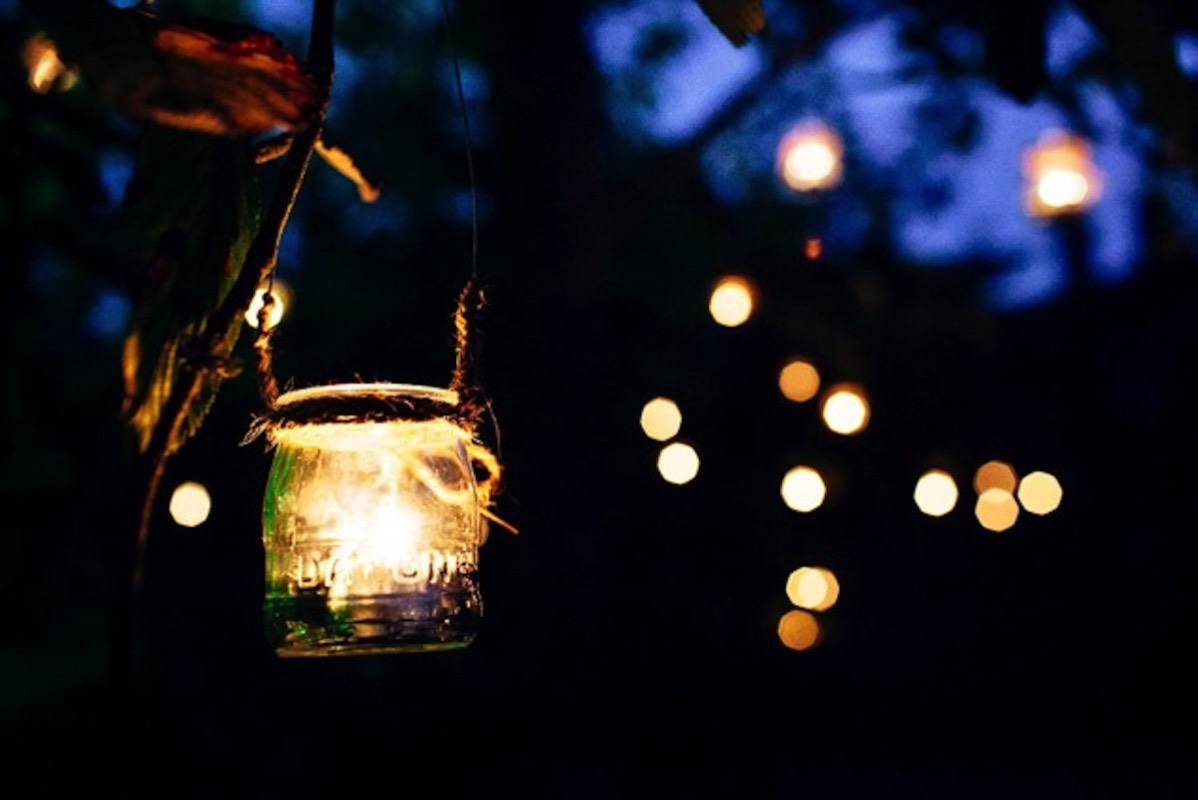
371	523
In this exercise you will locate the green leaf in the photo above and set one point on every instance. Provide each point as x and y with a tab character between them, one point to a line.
191	212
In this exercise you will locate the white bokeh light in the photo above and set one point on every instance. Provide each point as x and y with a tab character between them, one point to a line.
678	463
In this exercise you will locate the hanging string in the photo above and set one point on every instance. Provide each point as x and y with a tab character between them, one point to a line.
457	75
472	403
470	301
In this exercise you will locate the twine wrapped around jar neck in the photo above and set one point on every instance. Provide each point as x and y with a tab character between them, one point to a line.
358	403
365	403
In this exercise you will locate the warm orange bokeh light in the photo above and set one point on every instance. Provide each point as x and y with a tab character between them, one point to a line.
799	380
1040	493
799	630
995	475
813	588
1060	176
282	298
810	157
996	510
45	71
845	409
732	300
803	489
936	493
661	419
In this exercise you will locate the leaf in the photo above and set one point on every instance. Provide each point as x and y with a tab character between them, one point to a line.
191	213
201	74
736	19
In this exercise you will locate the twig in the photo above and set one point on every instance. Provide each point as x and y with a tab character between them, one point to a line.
341	161
334	156
225	323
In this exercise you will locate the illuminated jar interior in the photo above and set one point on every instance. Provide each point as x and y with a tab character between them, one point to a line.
371	522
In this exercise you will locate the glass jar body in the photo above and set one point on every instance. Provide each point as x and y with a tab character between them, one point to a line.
371	536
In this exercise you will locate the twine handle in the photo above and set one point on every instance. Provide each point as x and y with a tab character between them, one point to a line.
267	385
465	371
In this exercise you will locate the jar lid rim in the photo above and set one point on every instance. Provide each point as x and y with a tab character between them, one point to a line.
381	390
348	403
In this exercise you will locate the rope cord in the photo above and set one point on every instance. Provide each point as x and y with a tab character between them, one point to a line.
471	300
267	385
457	75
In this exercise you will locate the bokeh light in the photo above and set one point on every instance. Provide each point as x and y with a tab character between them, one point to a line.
661	419
803	489
996	509
190	504
845	409
798	380
678	463
732	300
936	493
809	157
282	297
813	249
813	588
799	630
45	71
1040	492
1060	175
995	474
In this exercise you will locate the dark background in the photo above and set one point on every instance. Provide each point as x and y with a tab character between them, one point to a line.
629	645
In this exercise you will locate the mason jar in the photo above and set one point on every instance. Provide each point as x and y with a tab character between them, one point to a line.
371	522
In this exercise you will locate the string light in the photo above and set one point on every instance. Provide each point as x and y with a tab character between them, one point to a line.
936	493
732	300
996	509
1060	176
678	463
799	630
799	380
661	419
190	504
803	489
280	294
1040	493
809	157
845	409
995	474
813	588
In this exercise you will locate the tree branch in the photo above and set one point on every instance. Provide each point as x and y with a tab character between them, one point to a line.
225	323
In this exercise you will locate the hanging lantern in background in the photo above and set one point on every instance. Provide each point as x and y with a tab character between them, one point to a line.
372	521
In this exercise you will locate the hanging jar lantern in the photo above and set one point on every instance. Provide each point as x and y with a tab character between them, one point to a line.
372	521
